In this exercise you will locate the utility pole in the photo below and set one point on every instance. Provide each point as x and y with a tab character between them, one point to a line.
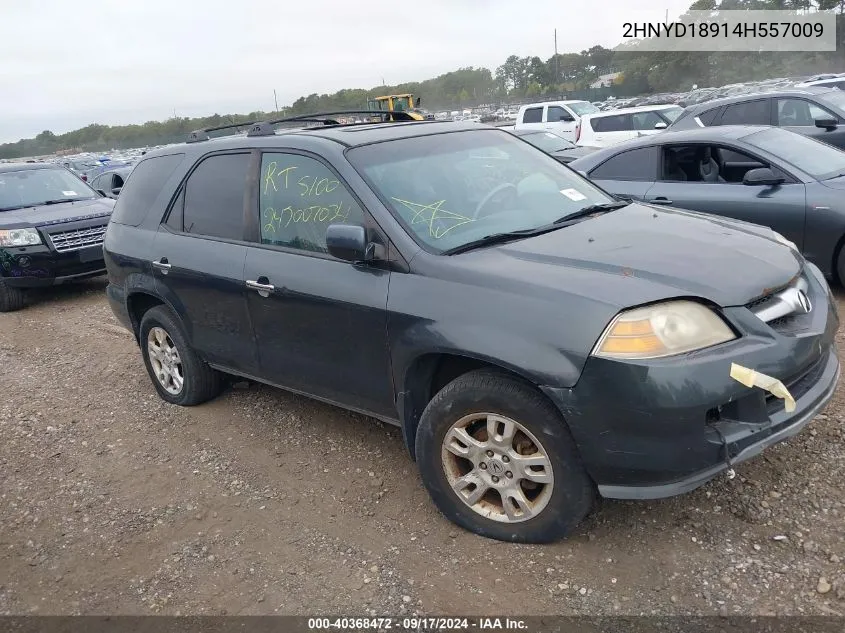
275	100
557	63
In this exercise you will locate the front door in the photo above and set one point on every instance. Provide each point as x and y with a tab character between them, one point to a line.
799	115
198	260
560	121
780	207
320	323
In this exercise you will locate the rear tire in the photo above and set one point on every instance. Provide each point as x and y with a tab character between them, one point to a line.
509	431
179	375
840	266
11	298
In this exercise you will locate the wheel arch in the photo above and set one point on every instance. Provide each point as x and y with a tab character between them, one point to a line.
428	373
141	301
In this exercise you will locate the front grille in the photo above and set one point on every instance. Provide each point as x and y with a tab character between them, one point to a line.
798	385
75	239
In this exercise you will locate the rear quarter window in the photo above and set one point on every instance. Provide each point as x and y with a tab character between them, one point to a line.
708	116
143	187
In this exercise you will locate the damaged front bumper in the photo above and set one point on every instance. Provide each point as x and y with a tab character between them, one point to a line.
659	428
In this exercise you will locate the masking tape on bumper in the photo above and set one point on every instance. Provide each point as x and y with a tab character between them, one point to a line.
751	378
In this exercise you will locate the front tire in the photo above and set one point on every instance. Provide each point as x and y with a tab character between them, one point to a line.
179	375
498	460
11	298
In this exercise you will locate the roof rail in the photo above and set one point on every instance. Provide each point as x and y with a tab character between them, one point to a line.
202	134
266	128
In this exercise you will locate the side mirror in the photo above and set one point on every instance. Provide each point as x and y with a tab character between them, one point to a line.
761	176
347	242
660	125
826	123
566	117
419	101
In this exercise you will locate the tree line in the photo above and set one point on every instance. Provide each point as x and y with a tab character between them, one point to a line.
517	78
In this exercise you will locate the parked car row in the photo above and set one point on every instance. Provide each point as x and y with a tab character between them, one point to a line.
585	125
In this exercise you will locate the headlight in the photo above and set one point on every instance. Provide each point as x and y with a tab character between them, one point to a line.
20	237
780	238
661	330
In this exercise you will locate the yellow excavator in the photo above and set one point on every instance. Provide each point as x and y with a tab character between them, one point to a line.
399	103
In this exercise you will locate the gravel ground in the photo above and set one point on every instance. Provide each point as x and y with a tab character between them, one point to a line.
263	502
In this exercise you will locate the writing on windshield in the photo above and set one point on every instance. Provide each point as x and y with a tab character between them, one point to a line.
454	188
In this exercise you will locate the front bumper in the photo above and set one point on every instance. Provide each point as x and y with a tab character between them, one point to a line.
652	429
39	266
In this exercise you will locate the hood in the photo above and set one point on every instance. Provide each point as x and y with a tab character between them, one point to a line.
835	183
641	253
55	213
572	153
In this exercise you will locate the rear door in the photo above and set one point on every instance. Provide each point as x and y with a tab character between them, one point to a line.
753	112
629	174
799	115
320	323
531	118
781	207
198	261
609	130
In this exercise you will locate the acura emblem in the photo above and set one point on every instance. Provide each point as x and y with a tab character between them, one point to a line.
804	302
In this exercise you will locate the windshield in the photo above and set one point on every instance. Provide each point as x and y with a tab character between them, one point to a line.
582	107
451	189
34	187
548	142
819	160
836	98
671	114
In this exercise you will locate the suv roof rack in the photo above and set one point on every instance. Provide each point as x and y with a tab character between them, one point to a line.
267	128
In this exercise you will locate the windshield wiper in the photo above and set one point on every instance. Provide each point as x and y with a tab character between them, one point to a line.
61	201
500	238
593	209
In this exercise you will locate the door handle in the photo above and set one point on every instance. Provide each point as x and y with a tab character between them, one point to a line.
162	265
262	285
661	200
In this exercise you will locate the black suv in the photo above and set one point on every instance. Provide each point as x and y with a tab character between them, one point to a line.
51	229
812	111
536	340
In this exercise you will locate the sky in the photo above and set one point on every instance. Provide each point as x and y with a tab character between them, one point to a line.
64	64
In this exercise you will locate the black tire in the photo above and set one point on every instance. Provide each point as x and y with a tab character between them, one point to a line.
200	382
840	266
573	492
11	298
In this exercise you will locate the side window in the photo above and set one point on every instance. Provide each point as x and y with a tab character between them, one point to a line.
143	186
533	115
214	197
299	198
617	123
708	116
174	220
646	120
747	113
799	112
636	164
705	164
556	113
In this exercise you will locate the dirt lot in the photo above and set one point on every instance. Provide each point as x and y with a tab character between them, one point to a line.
262	502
